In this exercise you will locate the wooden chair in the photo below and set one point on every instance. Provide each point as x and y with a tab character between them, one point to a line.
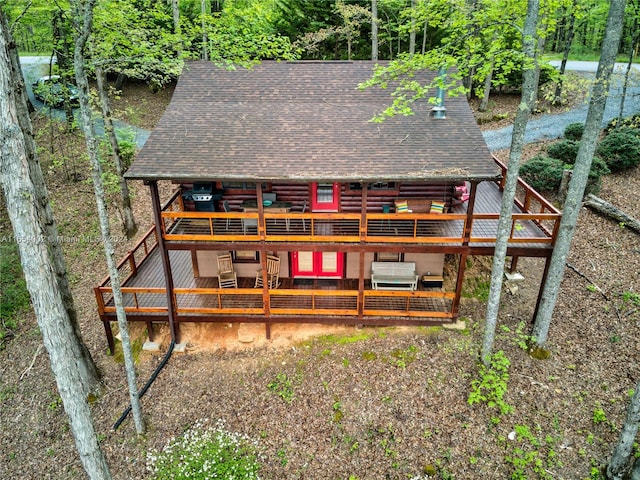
273	273
227	209
302	210
226	275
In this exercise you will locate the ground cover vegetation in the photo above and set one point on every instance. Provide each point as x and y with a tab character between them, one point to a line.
371	407
618	151
363	405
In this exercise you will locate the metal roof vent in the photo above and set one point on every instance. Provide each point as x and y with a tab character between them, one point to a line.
439	111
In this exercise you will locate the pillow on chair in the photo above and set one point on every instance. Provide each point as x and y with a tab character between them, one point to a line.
402	207
437	207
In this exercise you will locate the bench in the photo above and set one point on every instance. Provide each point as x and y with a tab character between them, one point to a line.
419	205
394	276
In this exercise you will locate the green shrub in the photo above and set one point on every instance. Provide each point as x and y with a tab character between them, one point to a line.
544	174
620	150
632	121
574	131
633	131
206	452
564	150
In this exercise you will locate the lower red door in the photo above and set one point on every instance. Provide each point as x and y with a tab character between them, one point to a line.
317	264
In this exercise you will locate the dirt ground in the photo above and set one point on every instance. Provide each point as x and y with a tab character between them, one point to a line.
370	403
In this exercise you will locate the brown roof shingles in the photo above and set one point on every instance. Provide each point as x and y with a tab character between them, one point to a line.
305	121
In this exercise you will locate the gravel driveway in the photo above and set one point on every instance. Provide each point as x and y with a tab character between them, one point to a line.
551	126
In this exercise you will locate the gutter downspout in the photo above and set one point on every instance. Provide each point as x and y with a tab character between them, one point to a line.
155	198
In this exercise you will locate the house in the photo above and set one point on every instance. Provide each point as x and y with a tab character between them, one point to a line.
319	214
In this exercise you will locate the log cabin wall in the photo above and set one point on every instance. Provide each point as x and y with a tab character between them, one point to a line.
350	194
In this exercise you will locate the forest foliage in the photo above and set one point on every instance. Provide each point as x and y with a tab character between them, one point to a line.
140	38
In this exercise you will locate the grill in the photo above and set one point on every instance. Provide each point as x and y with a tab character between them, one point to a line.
204	197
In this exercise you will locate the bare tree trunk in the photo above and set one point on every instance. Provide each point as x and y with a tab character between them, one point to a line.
129	223
620	458
374	31
611	211
82	18
177	28
567	50
539	51
484	103
89	371
581	170
57	334
62	49
634	41
205	41
508	195
412	32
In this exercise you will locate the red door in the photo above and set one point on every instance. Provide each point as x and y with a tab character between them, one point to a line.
317	264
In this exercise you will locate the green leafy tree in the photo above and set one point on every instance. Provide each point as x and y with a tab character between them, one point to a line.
241	34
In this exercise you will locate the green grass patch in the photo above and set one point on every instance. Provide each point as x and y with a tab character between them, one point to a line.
14	296
136	349
477	287
334	339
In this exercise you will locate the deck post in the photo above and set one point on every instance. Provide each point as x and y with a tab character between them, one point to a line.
361	285
455	307
109	332
166	264
468	225
547	263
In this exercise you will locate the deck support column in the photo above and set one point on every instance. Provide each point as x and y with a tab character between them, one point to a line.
166	263
455	307
547	263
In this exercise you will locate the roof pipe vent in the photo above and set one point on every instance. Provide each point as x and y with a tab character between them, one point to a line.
439	111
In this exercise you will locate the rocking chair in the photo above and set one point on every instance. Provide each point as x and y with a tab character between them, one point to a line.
226	275
273	273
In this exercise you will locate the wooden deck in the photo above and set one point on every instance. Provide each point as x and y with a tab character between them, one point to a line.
531	227
533	230
145	293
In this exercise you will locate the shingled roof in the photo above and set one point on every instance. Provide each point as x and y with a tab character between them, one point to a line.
302	122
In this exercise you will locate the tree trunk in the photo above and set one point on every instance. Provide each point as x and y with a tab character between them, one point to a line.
57	334
621	456
581	170
62	49
508	195
412	33
177	28
88	369
567	50
484	103
205	41
634	40
374	32
609	210
82	18
129	223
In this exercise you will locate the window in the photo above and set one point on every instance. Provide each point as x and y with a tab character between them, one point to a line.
389	257
325	197
245	256
243	187
386	187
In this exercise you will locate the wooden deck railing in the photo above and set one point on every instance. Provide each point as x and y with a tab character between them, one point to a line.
537	224
128	266
425	228
530	201
249	301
